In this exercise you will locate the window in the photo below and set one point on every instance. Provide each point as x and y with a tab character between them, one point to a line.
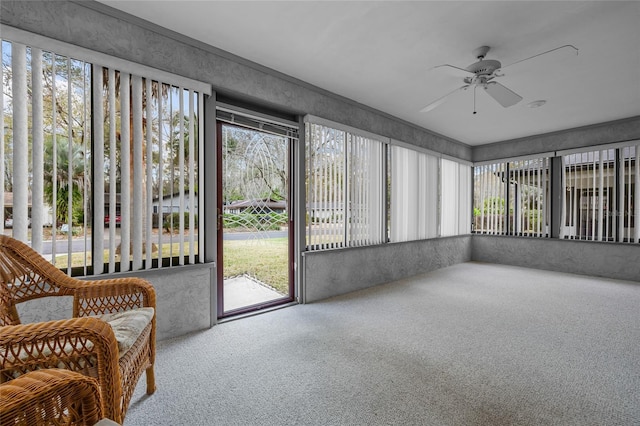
455	198
512	197
489	199
90	153
601	196
345	188
414	195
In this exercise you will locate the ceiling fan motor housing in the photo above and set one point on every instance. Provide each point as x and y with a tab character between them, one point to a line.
484	67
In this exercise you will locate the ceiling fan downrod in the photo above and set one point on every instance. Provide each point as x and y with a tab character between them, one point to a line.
474	99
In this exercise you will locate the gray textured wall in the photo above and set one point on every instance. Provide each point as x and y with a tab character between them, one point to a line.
182	293
333	272
183	298
610	260
97	27
592	258
597	134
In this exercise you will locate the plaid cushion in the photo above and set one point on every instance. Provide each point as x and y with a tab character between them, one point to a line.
128	325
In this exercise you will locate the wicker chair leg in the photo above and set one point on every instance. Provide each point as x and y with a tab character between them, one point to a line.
151	381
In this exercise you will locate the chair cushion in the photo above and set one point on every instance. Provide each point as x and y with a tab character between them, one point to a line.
127	326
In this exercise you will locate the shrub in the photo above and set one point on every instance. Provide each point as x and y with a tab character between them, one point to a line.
171	221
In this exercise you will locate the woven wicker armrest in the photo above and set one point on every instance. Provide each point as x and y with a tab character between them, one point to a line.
87	345
50	396
113	295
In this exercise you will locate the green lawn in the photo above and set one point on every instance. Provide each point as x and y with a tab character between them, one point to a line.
265	260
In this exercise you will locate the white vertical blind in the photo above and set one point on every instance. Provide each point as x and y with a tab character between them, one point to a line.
414	195
142	130
529	192
489	198
345	188
326	181
464	199
517	190
601	200
366	185
449	196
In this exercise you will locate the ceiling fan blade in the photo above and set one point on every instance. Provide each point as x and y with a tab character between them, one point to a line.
567	48
501	94
441	100
453	70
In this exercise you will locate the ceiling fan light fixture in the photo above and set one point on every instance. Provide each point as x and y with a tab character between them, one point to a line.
536	104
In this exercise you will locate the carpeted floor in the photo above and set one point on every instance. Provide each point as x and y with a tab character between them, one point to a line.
472	344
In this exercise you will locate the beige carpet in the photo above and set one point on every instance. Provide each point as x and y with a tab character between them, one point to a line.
472	344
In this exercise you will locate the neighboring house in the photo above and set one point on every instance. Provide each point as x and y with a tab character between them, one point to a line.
7	205
266	205
319	211
171	203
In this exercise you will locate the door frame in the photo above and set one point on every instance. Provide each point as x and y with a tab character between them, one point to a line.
290	163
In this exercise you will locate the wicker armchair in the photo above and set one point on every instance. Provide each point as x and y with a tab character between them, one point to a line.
111	336
50	397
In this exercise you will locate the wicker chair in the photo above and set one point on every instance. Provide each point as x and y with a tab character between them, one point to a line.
98	341
50	397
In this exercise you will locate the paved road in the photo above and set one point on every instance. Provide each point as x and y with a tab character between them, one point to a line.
78	244
251	235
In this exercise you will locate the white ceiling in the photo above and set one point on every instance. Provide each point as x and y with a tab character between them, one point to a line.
380	53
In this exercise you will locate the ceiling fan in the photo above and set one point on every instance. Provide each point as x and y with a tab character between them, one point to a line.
483	74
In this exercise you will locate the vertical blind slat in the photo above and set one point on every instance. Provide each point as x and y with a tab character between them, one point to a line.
191	172
636	200
98	184
620	204
137	168
112	169
600	196
181	181
37	191
86	190
161	150
20	143
125	172
201	186
70	163
629	206
2	153
148	213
